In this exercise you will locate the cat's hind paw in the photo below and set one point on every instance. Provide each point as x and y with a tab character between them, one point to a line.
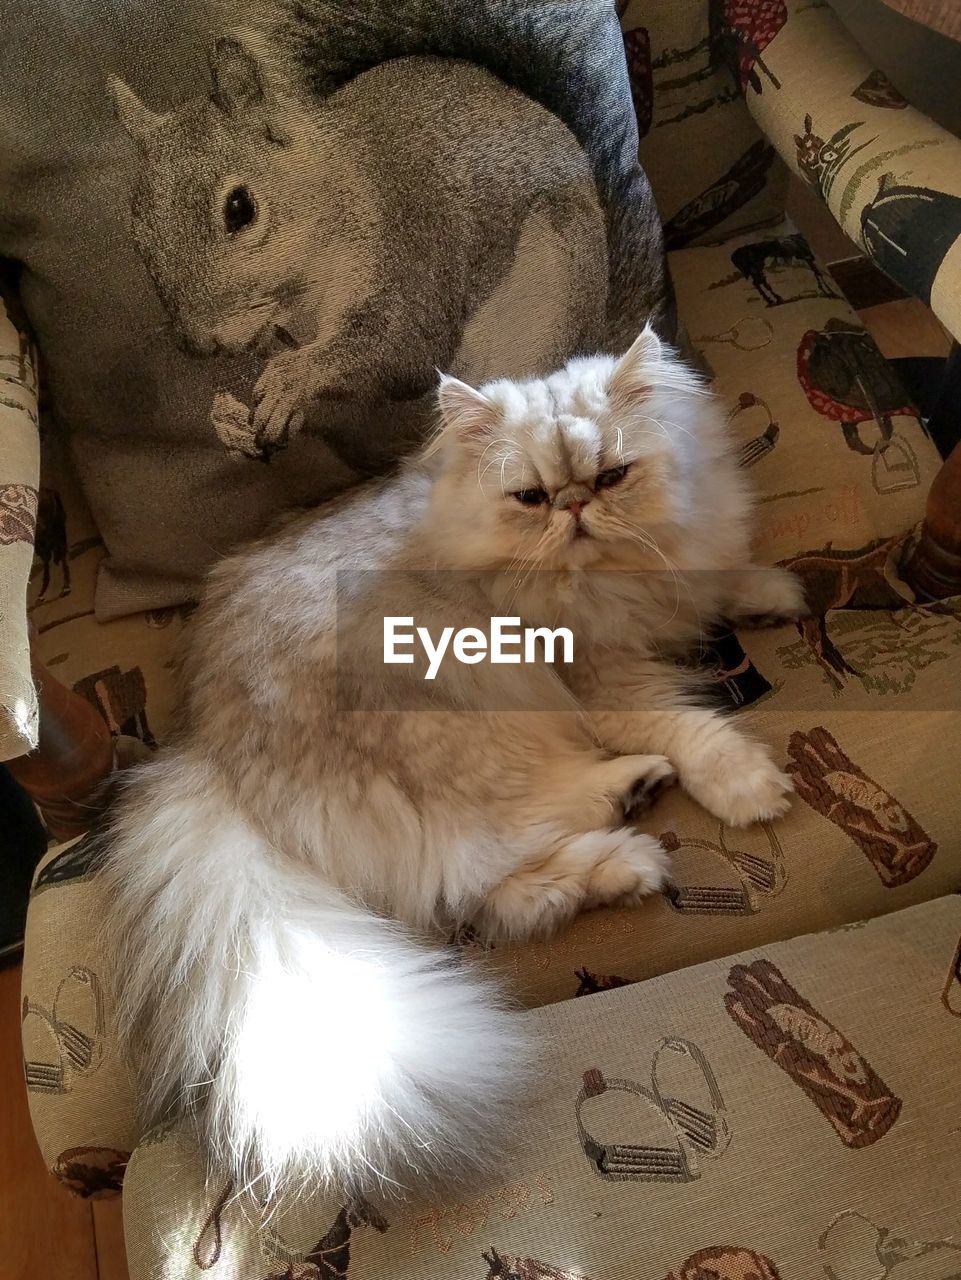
609	867
638	867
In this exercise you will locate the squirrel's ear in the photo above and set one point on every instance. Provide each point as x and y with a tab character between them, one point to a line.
236	76
137	119
466	412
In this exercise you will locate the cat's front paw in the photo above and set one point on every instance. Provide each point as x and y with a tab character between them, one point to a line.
283	393
769	596
739	783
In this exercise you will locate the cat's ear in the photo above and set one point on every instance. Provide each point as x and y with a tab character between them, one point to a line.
236	77
464	411
631	376
136	118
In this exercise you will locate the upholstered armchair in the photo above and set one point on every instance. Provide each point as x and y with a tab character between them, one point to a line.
760	1083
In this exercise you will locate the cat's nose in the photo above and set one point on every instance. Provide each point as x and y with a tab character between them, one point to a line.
574	498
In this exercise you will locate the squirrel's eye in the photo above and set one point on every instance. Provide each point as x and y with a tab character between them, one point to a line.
614	475
531	497
240	210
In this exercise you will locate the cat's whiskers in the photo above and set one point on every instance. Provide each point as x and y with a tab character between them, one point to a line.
663	423
535	563
642	536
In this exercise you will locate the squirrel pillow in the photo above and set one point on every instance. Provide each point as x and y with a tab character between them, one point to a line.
247	241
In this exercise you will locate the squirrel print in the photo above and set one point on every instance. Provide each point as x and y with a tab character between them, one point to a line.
423	214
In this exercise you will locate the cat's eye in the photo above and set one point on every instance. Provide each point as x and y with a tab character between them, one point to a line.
531	497
240	210
612	476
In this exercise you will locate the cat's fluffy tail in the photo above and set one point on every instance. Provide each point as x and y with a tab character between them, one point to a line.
310	1038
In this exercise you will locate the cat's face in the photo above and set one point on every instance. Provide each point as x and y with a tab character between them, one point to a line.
580	469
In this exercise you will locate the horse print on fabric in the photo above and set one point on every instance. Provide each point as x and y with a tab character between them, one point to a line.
838	579
352	245
755	260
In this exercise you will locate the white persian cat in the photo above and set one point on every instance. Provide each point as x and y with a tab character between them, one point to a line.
312	791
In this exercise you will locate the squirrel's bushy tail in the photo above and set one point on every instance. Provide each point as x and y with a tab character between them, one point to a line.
310	1038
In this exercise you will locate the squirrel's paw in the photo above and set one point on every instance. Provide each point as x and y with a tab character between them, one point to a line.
230	418
283	393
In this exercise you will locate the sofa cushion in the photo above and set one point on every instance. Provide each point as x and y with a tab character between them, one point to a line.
785	1112
248	239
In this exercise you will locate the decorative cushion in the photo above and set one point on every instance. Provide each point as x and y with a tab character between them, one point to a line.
247	244
785	1113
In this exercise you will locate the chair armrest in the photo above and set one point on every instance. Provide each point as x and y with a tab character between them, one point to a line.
888	174
19	483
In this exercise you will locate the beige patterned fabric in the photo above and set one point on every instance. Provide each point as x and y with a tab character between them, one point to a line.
712	170
19	482
889	175
790	1112
121	667
81	1100
834	450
